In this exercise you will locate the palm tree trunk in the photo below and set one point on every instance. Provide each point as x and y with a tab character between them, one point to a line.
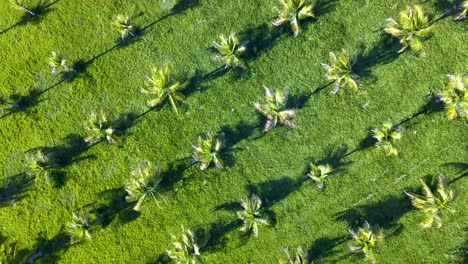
29	11
173	104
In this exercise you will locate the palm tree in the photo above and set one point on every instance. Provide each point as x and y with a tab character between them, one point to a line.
433	204
207	149
6	104
143	181
99	126
275	109
365	239
251	216
59	64
123	24
230	51
186	248
8	251
164	84
18	4
318	173
293	11
340	70
463	10
414	26
39	163
301	256
79	228
386	135
455	96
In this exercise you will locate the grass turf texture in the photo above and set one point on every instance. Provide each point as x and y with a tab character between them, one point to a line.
274	165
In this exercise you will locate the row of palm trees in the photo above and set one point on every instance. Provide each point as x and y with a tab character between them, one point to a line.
164	85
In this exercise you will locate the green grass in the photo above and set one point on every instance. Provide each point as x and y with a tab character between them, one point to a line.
272	165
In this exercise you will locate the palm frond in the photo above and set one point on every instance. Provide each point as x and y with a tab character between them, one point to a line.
275	109
143	182
455	97
300	257
339	69
58	62
18	4
207	150
463	10
123	25
385	136
365	239
79	229
252	215
293	11
230	50
186	249
99	127
318	173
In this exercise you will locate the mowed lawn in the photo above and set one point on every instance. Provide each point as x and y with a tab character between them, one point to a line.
330	127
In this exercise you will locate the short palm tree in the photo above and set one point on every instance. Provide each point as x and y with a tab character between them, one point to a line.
463	10
6	104
230	51
207	150
340	70
365	240
186	248
79	228
99	127
385	136
38	163
318	173
18	4
301	256
433	205
275	109
455	96
58	62
8	252
414	26
143	182
293	11
252	215
164	85
123	24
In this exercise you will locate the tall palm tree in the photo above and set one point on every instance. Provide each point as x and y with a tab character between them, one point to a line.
413	27
386	135
143	182
293	11
99	127
18	4
455	96
123	24
318	173
275	109
365	239
164	85
463	10
207	150
301	256
186	248
58	62
79	229
252	215
230	51
340	70
433	205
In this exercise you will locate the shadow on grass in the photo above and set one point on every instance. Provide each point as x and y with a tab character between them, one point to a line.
366	143
14	189
462	167
325	247
274	191
41	10
234	135
117	208
432	106
22	103
334	157
52	249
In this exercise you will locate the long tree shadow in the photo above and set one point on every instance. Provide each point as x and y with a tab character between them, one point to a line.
234	135
325	6
51	250
116	208
433	105
217	235
274	191
385	213
261	39
462	167
334	156
324	247
14	189
366	143
22	103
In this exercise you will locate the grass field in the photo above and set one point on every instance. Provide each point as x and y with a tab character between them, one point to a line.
368	186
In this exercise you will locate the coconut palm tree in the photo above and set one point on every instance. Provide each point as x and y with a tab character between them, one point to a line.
463	10
230	51
207	151
186	248
143	182
293	11
39	163
79	229
123	24
413	27
8	251
386	135
164	85
18	4
301	256
318	173
275	109
340	70
252	215
433	205
455	96
365	239
99	127
58	62
6	104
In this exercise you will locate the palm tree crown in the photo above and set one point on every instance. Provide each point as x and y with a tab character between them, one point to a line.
252	215
340	70
230	51
18	4
463	10
99	127
123	24
455	96
386	135
79	228
292	11
365	239
275	109
207	149
143	181
186	248
318	173
301	256
59	64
